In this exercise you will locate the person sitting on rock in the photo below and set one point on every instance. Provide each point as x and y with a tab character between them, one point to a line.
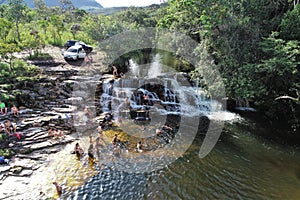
117	151
100	129
158	132
167	128
1	128
15	111
122	75
78	150
9	127
127	102
58	187
56	133
4	160
146	99
3	109
139	146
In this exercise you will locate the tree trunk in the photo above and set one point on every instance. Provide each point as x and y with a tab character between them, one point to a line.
17	29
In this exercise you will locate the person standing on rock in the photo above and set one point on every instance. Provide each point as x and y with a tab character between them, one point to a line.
58	188
91	150
115	71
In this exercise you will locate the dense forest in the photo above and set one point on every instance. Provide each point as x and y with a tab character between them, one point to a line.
254	44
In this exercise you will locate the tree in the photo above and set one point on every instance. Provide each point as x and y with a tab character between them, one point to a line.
41	8
74	29
6	52
58	25
16	11
290	24
66	5
5	27
33	42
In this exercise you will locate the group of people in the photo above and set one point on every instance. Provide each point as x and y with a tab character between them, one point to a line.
4	109
55	133
116	74
9	129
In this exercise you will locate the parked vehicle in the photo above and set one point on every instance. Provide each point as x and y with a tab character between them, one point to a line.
74	53
71	43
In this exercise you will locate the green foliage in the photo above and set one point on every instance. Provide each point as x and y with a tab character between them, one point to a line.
20	69
16	12
5	27
279	64
290	24
40	56
136	17
101	27
6	152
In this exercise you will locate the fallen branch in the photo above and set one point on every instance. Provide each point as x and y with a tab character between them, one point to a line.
287	97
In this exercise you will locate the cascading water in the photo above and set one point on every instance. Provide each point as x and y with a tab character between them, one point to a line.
155	68
170	95
134	69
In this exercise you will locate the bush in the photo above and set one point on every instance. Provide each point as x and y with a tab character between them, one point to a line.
40	56
20	69
6	152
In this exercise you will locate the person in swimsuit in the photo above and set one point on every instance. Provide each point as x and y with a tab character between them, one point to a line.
115	71
115	140
78	150
9	127
58	188
139	146
15	111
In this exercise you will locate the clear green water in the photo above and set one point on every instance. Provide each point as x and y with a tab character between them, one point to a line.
241	166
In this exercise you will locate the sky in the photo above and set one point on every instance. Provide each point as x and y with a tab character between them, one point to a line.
121	3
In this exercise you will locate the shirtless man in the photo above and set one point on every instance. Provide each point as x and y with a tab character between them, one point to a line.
115	71
58	188
15	111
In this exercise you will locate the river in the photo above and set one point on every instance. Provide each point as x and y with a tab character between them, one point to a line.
242	165
245	163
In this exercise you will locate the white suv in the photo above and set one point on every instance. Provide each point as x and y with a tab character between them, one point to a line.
74	53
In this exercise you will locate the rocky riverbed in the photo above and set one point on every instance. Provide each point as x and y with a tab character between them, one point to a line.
47	103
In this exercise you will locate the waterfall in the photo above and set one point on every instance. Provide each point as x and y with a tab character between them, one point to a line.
134	69
155	67
167	94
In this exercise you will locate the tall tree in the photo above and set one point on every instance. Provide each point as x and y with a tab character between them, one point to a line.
16	11
66	5
41	7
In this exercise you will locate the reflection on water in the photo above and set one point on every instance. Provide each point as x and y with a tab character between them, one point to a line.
241	166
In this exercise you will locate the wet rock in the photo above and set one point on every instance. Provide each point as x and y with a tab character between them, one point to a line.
32	157
21	172
15	170
4	168
75	100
